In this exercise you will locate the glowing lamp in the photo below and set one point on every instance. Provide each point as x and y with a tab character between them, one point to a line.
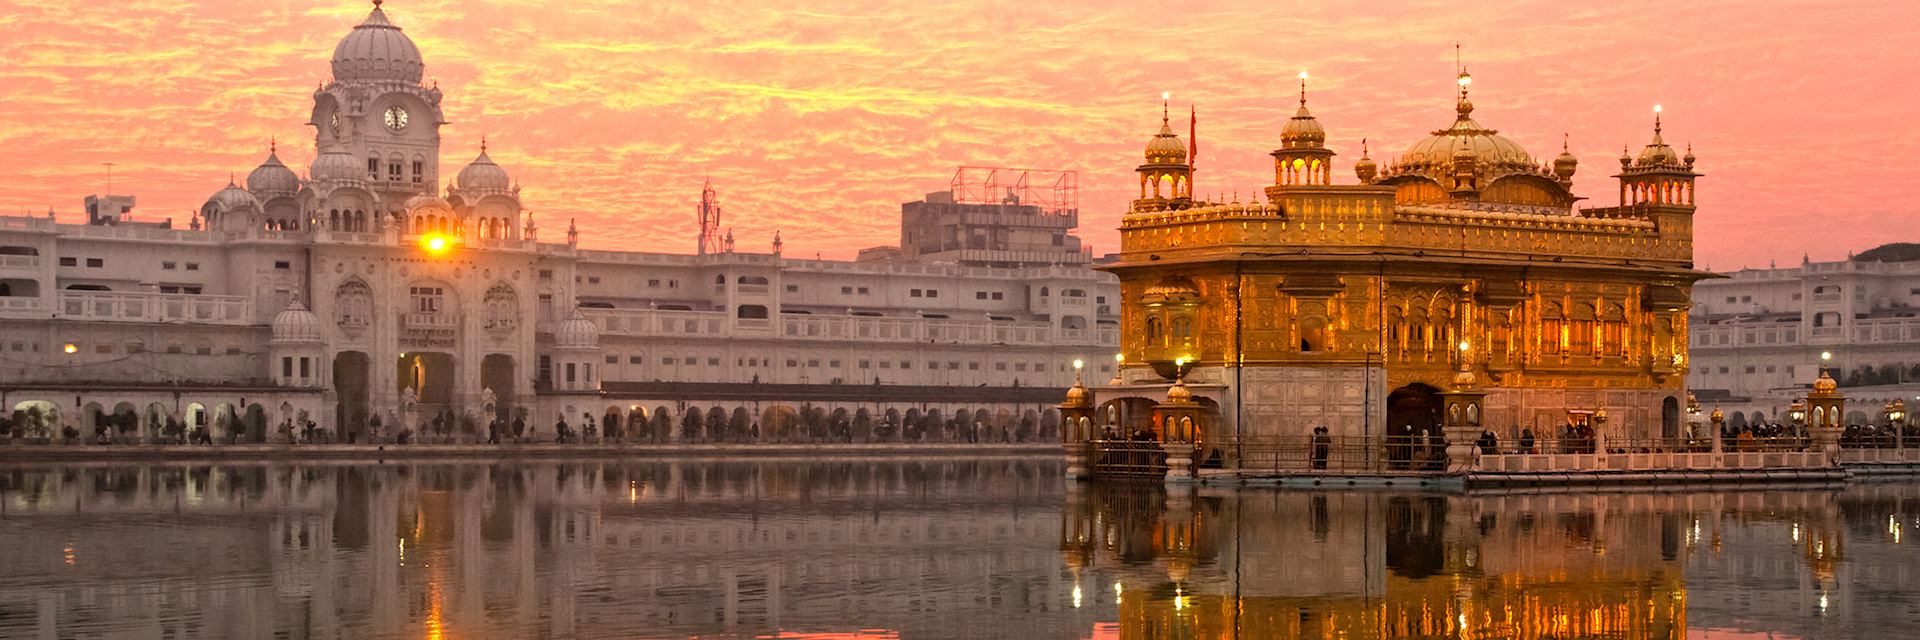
1465	79
1121	357
1078	364
436	244
70	348
1303	75
1826	355
1465	346
1656	108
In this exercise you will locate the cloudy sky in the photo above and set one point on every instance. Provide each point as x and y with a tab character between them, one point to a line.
818	119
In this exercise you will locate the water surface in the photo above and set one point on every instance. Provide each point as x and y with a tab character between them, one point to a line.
921	549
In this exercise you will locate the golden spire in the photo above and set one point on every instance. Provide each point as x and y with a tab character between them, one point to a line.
1303	89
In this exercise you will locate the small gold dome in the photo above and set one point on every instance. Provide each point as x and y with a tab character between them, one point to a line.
1717	415
1077	397
1565	165
1302	131
1171	288
1464	379
1365	169
1165	147
1825	384
1179	393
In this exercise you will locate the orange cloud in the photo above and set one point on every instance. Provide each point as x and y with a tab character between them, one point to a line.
819	123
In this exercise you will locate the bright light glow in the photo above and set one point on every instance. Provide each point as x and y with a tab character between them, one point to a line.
1078	364
1076	596
1166	95
1656	108
436	244
1180	361
1464	345
1121	357
70	348
1465	79
1303	75
1826	355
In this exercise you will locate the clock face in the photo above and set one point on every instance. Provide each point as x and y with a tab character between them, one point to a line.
396	118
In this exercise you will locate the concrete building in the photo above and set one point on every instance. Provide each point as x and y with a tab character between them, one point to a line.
370	286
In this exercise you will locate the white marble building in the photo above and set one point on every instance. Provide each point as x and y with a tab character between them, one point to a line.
315	290
1758	336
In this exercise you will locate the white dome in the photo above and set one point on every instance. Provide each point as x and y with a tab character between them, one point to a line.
425	201
272	177
337	165
232	198
484	175
576	332
296	324
377	51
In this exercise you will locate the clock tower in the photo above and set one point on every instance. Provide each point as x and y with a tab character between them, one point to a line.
377	111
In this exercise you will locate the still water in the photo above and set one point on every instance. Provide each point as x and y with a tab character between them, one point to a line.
921	549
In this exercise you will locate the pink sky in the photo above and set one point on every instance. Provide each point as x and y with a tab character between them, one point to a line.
818	120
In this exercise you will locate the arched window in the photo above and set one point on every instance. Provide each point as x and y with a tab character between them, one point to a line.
1154	333
1182	329
503	307
353	303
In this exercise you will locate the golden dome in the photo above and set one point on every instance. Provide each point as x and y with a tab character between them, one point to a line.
1825	384
1165	147
1077	397
1365	169
1466	138
1303	131
1179	393
1464	379
1566	164
1717	416
1173	287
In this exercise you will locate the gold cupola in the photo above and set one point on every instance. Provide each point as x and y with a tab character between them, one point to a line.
1303	157
1166	180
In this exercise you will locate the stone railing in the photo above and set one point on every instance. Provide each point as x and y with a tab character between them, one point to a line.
153	307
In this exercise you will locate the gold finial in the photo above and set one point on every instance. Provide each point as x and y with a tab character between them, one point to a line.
1166	99
483	144
1565	139
376	3
1656	119
1363	147
273	145
1303	88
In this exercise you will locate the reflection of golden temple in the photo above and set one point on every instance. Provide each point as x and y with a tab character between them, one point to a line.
1352	306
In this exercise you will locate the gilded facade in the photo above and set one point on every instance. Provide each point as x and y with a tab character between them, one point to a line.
1351	306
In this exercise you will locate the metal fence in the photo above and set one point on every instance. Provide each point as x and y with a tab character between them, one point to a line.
1330	454
1127	458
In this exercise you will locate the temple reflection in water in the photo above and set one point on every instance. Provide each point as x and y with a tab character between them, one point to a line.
922	549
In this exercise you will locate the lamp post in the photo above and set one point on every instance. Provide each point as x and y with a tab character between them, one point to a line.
1693	420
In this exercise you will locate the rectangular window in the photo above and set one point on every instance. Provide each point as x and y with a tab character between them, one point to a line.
635	360
419	171
192	291
233	351
914	293
953	366
979	295
103	348
713	362
1732	299
427	300
998	295
846	291
933	293
999	366
170	266
1099	299
835	364
193	266
546	368
813	364
282	265
373	168
863	291
973	366
613	359
393	170
96	262
593	279
587	374
793	288
203	351
286	367
669	360
1020	366
570	372
169	289
886	364
69	262
1749	369
904	364
653	282
306	367
546	274
866	364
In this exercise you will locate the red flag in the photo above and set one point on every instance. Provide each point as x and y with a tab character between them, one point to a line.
1193	137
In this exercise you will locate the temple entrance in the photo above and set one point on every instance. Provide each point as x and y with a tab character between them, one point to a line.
496	373
352	390
1670	418
1413	423
430	374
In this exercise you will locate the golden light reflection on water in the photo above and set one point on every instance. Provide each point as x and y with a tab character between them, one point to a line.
925	550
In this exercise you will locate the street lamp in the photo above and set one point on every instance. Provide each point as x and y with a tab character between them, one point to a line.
1118	359
70	348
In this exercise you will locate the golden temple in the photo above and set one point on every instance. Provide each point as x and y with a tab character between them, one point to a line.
1353	306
